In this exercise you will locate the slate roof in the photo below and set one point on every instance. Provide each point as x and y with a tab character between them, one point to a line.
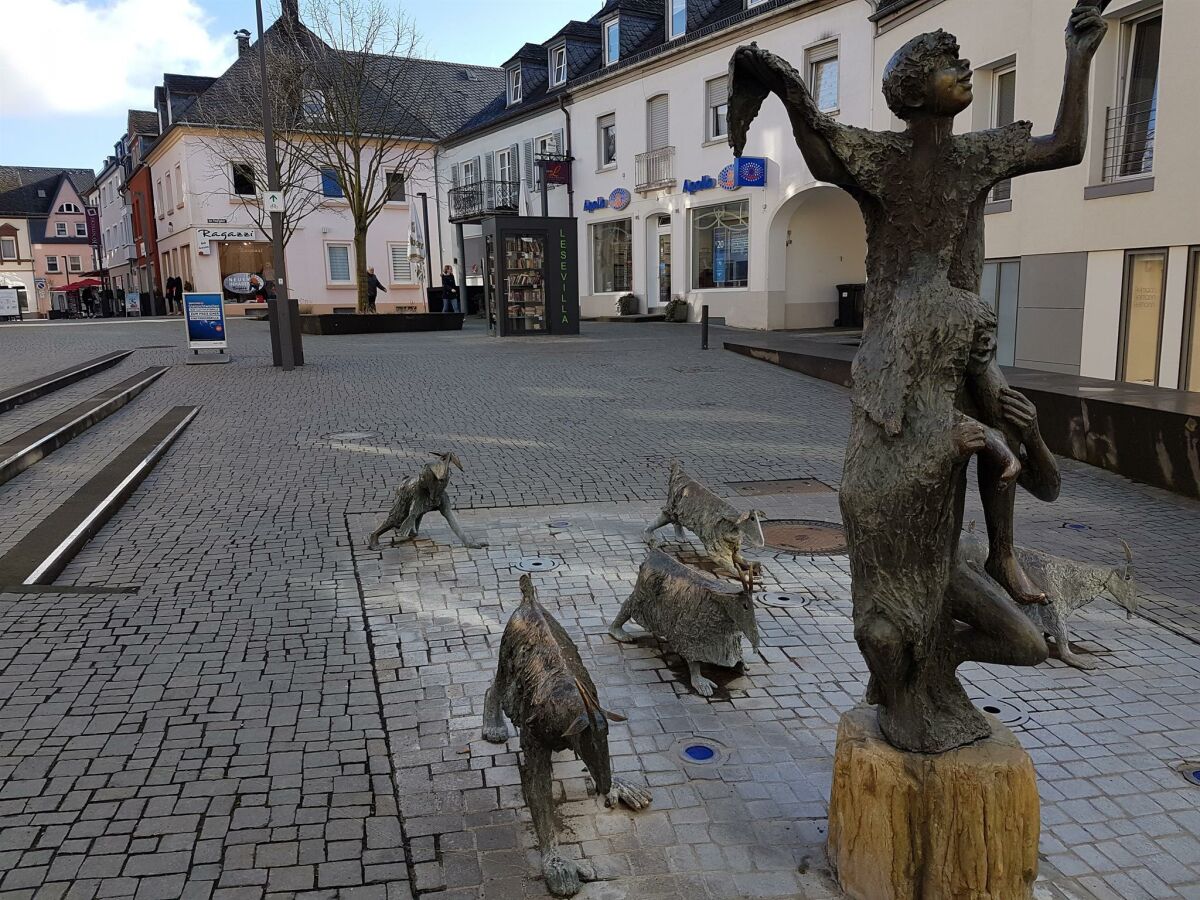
37	235
439	96
142	121
19	186
643	36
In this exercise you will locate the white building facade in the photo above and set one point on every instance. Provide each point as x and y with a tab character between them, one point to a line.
116	224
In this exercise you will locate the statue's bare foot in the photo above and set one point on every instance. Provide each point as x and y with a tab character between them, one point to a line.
703	686
1007	572
495	734
564	877
621	634
1071	659
631	795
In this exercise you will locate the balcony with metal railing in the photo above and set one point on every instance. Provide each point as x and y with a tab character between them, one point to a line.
1129	140
479	200
654	169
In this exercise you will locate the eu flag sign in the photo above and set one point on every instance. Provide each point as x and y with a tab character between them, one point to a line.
751	171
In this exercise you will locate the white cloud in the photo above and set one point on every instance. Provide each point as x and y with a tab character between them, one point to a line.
86	57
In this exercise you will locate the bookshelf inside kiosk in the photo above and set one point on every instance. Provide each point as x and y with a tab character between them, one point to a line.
532	275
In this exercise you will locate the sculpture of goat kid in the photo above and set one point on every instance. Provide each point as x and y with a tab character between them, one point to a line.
1069	586
543	687
417	496
720	527
701	618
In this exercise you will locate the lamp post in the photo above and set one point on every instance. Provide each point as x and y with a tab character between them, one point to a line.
285	336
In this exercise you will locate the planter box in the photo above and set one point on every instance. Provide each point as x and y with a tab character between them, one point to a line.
380	323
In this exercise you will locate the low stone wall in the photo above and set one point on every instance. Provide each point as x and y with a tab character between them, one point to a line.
380	323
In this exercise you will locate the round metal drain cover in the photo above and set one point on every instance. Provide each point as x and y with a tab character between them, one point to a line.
536	564
560	523
1004	711
1190	771
351	435
805	537
784	600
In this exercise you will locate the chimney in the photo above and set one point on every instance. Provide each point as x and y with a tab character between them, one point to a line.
289	11
243	39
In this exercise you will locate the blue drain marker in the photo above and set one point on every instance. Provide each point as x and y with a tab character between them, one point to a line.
699	752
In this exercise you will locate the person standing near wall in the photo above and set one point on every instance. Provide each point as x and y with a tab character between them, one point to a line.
374	286
449	291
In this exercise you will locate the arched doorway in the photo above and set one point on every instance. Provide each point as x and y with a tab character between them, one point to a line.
817	241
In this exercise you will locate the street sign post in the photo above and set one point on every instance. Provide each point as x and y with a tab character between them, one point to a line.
273	201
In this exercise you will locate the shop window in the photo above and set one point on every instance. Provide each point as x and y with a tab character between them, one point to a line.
329	184
52	265
716	100
401	264
395	187
8	248
337	258
80	229
612	42
60	229
1004	112
607	135
823	76
74	264
1190	380
242	178
253	257
612	257
1141	316
721	245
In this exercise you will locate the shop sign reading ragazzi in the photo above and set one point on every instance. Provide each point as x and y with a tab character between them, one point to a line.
204	235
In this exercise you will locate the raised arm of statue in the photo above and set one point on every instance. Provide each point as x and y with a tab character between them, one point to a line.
1065	145
753	74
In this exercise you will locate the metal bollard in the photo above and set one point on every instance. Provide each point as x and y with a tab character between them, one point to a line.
704	327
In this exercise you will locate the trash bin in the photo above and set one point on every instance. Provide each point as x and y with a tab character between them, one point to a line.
850	305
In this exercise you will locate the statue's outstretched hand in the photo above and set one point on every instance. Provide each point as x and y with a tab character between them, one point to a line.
1085	29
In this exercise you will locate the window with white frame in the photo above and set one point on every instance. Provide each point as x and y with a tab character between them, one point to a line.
506	166
1135	120
1004	112
312	105
158	197
74	264
169	199
606	134
60	229
612	41
401	264
470	172
514	86
80	229
716	103
658	117
178	186
823	75
8	248
558	66
676	18
337	264
52	264
721	245
69	208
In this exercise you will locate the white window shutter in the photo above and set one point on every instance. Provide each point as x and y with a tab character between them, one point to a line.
401	264
657	125
489	189
527	160
455	177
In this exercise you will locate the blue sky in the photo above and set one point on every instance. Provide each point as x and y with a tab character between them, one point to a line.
68	109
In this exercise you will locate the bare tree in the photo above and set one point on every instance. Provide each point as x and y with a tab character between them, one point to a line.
367	101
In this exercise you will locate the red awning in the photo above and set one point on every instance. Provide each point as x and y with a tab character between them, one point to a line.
78	285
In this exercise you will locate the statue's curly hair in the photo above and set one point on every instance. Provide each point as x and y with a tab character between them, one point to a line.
907	73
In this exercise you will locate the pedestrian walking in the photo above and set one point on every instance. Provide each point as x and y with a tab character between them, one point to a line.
374	286
449	291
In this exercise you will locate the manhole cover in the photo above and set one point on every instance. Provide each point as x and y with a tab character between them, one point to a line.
1003	710
560	523
781	486
784	600
536	564
351	435
1076	526
805	537
1190	771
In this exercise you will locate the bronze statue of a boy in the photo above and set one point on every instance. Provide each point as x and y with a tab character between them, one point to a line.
924	364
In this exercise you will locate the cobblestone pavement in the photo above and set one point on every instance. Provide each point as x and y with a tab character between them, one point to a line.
277	711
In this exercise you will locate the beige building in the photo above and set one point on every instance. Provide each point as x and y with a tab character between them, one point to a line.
1094	268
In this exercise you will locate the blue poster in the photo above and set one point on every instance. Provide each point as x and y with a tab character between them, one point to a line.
204	315
719	248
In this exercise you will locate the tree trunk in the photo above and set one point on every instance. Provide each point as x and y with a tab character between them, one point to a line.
360	266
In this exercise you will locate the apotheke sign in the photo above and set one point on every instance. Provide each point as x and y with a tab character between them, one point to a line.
618	200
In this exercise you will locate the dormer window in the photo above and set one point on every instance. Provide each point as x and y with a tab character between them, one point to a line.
514	86
558	66
612	41
69	208
676	19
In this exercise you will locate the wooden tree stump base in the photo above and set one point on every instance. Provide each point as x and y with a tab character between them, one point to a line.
960	825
